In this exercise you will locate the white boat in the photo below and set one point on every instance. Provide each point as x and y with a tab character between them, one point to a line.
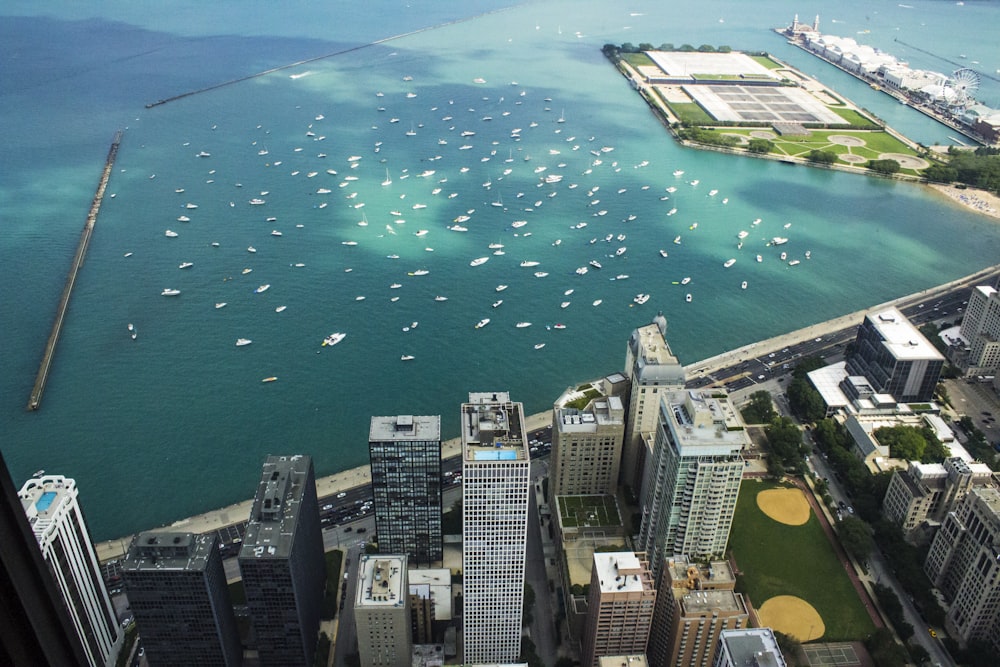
256	202
522	325
620	251
663	253
406	357
759	258
183	218
564	304
581	270
419	272
594	263
597	302
541	274
558	326
482	323
240	342
359	298
501	288
539	346
334	338
688	297
743	285
784	256
779	240
275	232
496	304
517	224
262	288
529	263
808	254
170	292
220	304
280	309
686	280
186	265
712	193
677	239
641	298
793	262
250	248
190	205
621	276
247	270
729	262
170	234
478	261
694	182
743	234
671	211
440	298
132	331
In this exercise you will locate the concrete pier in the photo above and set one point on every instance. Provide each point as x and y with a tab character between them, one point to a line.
81	251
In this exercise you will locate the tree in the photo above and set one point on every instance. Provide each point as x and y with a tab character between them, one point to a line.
807	365
805	401
904	442
760	409
821	157
884	650
856	537
760	146
784	440
706	48
789	645
887	167
645	46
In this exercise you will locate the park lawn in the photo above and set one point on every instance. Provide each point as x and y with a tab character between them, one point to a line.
637	59
766	62
777	559
690	113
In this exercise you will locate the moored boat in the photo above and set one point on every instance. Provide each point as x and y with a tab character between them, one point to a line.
240	342
334	338
170	292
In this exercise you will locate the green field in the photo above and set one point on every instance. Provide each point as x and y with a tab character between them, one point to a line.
777	559
588	511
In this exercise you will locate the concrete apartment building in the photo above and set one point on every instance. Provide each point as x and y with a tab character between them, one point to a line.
178	593
895	357
694	605
919	498
620	607
637	660
495	484
980	331
651	369
754	647
405	454
51	504
587	438
382	611
282	563
964	564
693	476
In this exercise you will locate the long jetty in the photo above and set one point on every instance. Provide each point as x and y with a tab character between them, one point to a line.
81	252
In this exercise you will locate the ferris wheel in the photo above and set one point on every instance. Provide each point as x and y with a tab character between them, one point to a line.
964	82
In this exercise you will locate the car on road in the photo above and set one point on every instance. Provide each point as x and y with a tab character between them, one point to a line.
932	632
342	494
362	529
349	529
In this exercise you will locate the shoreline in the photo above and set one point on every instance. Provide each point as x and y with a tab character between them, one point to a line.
978	201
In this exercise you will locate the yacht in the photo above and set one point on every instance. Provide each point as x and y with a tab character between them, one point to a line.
743	285
779	240
240	342
663	253
186	265
220	304
478	261
729	262
641	298
170	234
482	323
687	297
334	338
522	325
440	298
406	357
170	292
501	288
539	346
529	263
280	309
262	288
686	280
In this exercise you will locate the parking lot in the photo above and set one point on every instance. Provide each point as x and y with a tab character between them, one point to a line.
977	400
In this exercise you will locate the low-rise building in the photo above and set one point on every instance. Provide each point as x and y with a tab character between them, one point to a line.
752	647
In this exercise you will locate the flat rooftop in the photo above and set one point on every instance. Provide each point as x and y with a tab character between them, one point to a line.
493	428
694	63
716	573
382	581
45	499
706	602
622	660
405	427
622	572
706	419
653	356
753	646
169	550
275	510
588	511
901	337
438	582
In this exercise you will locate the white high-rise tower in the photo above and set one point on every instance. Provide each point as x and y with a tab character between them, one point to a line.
54	515
495	484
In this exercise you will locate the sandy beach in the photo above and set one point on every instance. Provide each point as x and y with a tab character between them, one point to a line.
977	200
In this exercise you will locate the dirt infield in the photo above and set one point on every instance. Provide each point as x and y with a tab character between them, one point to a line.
788	506
793	616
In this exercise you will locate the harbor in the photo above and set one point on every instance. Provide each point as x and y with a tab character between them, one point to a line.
35	400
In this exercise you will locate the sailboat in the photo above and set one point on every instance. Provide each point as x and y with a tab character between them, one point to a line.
562	117
388	180
412	132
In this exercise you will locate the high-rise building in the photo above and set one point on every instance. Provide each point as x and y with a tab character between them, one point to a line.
35	629
752	647
495	484
178	592
651	369
52	506
588	425
981	331
920	496
405	453
964	564
638	660
692	483
619	607
895	357
694	605
382	611
282	562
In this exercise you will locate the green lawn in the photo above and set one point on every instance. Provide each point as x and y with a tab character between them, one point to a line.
637	59
777	559
589	511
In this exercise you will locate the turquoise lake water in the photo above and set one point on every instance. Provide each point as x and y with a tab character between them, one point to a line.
178	420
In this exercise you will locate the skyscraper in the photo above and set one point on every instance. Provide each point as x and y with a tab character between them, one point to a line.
35	630
895	357
382	611
981	331
53	510
652	369
405	453
282	562
964	564
690	490
495	484
619	607
177	590
587	438
694	605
